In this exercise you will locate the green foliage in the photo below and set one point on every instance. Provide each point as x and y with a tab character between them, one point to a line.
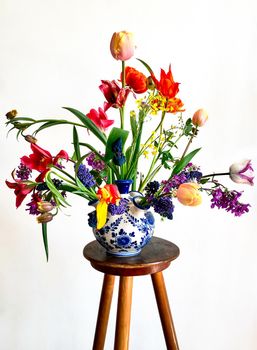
114	135
183	162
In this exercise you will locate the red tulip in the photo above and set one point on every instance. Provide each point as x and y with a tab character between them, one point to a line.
115	96
21	190
41	160
100	118
106	195
166	85
136	80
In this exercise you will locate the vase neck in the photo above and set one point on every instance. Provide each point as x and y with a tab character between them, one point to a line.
124	186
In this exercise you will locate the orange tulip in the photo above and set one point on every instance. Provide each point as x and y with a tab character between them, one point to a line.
188	194
136	80
200	117
106	195
122	45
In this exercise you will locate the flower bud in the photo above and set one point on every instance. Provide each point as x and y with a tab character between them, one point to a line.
150	83
30	139
242	172
122	45
44	206
12	114
200	117
188	194
44	218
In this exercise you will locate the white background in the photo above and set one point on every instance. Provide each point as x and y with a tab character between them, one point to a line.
54	54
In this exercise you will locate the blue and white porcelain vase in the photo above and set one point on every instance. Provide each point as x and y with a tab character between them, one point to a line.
128	228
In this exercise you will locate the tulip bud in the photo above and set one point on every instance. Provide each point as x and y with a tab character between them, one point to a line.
44	206
150	83
242	172
200	117
12	114
44	218
188	194
30	139
122	45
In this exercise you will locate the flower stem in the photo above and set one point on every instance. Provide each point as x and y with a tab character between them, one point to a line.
212	175
189	142
122	109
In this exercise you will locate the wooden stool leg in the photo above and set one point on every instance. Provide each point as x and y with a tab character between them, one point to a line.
103	312
123	313
164	311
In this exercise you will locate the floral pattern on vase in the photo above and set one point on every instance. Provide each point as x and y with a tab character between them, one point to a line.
128	227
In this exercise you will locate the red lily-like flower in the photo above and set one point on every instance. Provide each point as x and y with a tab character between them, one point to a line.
115	96
136	80
21	190
100	118
166	86
41	160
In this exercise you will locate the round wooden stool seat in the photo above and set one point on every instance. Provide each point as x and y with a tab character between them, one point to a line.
153	259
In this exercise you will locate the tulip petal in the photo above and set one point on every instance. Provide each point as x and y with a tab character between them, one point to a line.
101	214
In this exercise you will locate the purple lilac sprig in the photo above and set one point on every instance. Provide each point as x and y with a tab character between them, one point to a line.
228	200
94	162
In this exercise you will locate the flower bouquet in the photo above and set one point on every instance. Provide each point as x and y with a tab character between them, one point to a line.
111	176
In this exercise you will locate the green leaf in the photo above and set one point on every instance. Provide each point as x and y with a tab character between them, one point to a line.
88	124
50	123
76	143
146	65
114	135
183	162
54	190
44	233
133	124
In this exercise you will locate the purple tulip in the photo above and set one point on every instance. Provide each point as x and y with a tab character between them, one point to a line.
242	172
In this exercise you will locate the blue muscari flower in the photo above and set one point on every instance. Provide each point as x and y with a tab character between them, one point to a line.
85	176
118	158
152	187
118	209
164	207
195	175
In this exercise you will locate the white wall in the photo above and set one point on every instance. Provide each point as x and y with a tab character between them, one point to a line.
53	54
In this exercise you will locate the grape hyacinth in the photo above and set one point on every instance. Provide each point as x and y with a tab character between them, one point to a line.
85	176
43	186
23	172
228	200
164	207
118	209
118	157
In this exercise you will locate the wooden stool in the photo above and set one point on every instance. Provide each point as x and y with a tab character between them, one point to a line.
153	259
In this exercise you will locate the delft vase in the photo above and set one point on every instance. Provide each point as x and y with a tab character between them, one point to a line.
128	228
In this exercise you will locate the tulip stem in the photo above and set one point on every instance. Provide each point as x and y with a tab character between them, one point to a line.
189	143
212	175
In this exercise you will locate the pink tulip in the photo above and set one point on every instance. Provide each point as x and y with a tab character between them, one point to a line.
122	45
188	194
100	118
200	117
242	172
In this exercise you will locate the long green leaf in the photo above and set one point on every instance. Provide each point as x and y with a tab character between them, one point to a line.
76	143
44	233
115	134
54	190
146	65
88	124
183	162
